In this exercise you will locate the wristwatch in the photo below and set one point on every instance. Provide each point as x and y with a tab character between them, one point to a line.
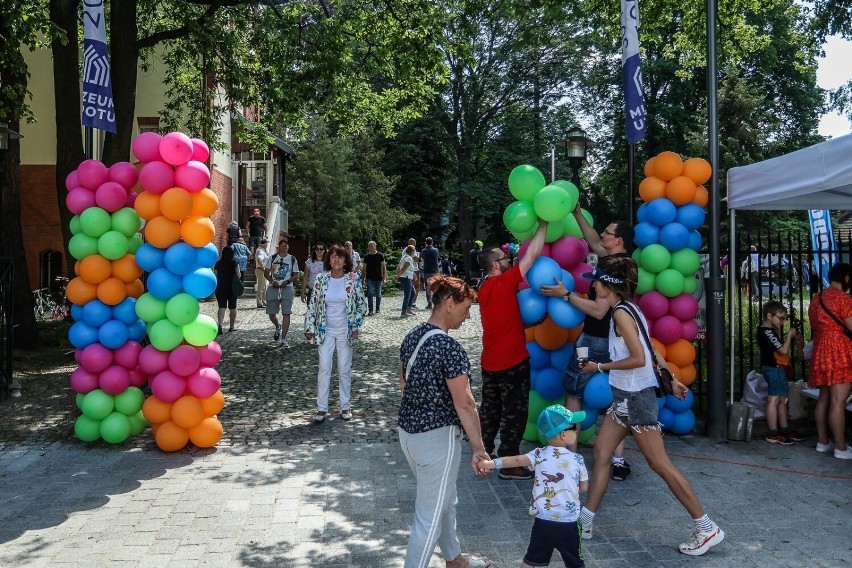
567	295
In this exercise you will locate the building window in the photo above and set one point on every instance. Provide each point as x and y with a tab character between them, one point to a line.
148	124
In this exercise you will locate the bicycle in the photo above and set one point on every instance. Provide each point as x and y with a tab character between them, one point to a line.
44	305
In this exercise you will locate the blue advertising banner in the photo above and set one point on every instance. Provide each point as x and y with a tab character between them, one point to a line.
631	72
98	108
822	241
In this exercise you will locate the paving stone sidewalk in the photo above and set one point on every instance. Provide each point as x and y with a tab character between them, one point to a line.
280	492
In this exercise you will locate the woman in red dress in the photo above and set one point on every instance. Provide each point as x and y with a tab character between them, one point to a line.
831	363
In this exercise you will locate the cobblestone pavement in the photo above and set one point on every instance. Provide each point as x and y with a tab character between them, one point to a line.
280	492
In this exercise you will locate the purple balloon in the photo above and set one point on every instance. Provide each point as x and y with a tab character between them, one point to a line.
79	199
184	360
137	377
667	329
167	386
157	177
114	380
124	173
128	355
203	383
146	147
654	305
689	330
683	307
152	360
568	252
92	173
111	196
72	180
83	381
95	358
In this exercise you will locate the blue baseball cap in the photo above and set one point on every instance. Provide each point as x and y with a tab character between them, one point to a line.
556	418
598	274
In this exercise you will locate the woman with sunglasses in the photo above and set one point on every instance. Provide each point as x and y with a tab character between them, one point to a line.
313	267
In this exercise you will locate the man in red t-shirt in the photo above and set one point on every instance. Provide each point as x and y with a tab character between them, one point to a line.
505	361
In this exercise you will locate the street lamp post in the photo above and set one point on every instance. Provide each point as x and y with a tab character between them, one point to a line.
576	147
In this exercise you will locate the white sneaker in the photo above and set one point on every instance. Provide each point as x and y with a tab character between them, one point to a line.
825	448
586	533
700	542
843	454
284	342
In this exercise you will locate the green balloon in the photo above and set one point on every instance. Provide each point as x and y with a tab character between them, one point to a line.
531	432
536	405
555	230
94	221
82	245
97	404
585	435
589	217
669	283
655	258
74	225
646	281
137	423
526	235
78	400
87	429
182	309
525	181
130	401
690	284
115	428
150	308
133	243
552	203
571	226
200	332
112	245
686	261
637	256
519	216
126	221
573	192
165	335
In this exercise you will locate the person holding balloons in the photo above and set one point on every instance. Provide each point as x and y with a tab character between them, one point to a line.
634	408
226	269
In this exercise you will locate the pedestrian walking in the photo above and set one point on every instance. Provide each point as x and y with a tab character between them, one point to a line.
313	268
281	270
376	274
260	256
226	269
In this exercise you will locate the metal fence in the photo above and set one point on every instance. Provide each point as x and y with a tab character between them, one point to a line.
6	325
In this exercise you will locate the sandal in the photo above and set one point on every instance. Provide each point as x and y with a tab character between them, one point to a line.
320	417
347	414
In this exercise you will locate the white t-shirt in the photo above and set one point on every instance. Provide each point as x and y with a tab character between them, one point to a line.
356	260
556	489
260	257
335	302
314	268
282	267
409	272
630	380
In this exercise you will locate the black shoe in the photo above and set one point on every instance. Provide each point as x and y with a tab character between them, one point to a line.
517	473
620	471
277	335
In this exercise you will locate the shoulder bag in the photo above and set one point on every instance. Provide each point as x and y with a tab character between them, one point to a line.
237	286
664	376
845	329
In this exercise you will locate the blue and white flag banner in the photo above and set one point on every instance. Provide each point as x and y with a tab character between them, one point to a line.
98	108
631	72
822	242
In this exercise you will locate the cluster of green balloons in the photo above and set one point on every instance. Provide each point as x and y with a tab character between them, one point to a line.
113	418
172	321
553	203
537	404
97	232
669	273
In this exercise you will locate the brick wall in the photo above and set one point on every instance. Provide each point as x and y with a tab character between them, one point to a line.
223	187
40	222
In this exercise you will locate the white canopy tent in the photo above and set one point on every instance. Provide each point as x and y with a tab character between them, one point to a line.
817	177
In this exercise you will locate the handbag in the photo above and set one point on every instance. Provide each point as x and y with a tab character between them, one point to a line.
664	376
835	318
237	286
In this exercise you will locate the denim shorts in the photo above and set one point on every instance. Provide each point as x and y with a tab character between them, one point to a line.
635	410
777	381
574	381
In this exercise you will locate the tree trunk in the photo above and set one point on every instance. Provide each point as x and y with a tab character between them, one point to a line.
123	67
466	221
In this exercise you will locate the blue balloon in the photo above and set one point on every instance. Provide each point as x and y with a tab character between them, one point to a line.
690	216
666	418
77	312
683	423
206	256
564	314
560	357
568	280
539	356
181	258
112	334
533	377
674	236
660	403
125	312
533	306
96	313
549	383
163	284
199	284
137	331
661	211
645	234
598	393
591	417
150	258
543	272
677	405
82	334
642	213
695	241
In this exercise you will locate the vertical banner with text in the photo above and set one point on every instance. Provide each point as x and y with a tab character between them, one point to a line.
98	108
822	242
631	72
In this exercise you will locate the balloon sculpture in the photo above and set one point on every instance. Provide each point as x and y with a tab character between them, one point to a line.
668	242
177	255
107	331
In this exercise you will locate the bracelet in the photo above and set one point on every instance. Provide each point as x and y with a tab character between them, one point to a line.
498	463
599	368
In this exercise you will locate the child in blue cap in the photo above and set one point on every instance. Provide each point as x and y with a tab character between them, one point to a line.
560	476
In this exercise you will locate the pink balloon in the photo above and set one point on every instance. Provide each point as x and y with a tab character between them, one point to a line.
683	307
111	196
651	323
92	174
114	380
157	177
176	148
689	330
146	147
167	386
654	305
200	150
131	199
152	360
667	329
522	250
568	252
95	358
83	381
204	382
79	199
72	180
128	355
77	353
192	176
124	173
546	250
184	360
581	285
137	377
211	354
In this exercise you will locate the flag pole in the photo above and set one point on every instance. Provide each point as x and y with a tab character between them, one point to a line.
631	181
635	116
98	108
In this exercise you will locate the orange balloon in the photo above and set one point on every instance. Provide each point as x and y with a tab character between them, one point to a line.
111	291
204	203
138	187
156	411
80	292
698	170
154	428
688	373
674	369
126	269
207	434
667	165
702	196
77	267
187	412
170	437
681	352
529	332
94	269
162	232
652	188
574	332
680	190
213	404
197	231
135	289
549	335
176	203
658	345
147	204
649	168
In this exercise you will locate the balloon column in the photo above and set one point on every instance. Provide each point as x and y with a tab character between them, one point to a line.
668	242
106	332
176	204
